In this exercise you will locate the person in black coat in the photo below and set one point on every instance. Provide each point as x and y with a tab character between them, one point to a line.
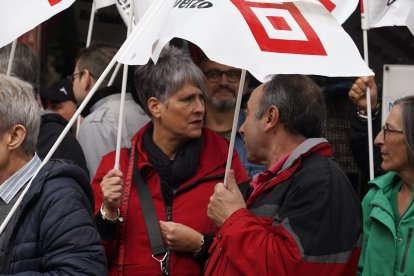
59	104
47	224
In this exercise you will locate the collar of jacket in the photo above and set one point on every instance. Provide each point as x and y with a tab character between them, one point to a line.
309	146
99	95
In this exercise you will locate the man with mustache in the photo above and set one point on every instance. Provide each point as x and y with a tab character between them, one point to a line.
222	86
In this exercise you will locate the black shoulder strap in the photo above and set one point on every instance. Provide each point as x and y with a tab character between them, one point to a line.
150	216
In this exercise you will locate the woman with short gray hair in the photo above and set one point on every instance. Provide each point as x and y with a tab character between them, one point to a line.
180	162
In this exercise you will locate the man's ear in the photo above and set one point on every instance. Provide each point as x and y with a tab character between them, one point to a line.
87	80
155	107
17	135
271	117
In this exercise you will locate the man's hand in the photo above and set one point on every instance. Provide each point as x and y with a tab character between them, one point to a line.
180	237
111	187
224	202
358	91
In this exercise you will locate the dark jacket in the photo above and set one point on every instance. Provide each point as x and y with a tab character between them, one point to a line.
304	220
51	127
53	230
188	206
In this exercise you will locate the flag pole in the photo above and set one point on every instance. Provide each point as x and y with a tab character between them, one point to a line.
123	92
11	58
59	140
112	79
91	22
365	27
234	127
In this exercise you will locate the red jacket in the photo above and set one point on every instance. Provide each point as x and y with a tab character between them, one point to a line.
304	220
189	206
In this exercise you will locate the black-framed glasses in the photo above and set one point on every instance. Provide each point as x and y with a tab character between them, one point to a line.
387	131
214	75
72	77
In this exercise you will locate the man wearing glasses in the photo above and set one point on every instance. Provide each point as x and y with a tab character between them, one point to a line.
222	87
98	132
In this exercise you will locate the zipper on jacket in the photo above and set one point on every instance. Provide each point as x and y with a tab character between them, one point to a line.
168	209
407	245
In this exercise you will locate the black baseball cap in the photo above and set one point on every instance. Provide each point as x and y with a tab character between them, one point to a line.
60	91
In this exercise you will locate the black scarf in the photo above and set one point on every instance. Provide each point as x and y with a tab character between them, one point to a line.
172	172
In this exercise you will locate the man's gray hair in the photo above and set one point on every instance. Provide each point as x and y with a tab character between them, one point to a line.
19	107
407	117
173	70
24	63
300	103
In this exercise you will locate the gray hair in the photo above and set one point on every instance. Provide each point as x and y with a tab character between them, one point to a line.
407	117
172	71
95	59
24	63
19	107
300	103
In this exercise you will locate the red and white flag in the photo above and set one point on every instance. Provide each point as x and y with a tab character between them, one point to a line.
380	13
19	16
260	36
340	9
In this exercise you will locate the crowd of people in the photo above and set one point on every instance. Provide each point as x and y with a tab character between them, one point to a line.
286	207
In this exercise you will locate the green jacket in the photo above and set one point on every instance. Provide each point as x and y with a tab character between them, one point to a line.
388	246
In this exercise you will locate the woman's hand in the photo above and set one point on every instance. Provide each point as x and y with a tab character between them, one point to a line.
358	91
111	187
180	237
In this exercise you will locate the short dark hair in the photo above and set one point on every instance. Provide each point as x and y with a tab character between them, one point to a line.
173	70
95	59
300	103
407	117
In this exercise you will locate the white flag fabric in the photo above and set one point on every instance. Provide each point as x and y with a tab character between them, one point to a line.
382	13
262	37
410	20
124	8
140	7
99	4
20	16
340	9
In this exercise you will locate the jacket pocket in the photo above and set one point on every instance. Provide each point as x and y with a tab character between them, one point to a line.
407	246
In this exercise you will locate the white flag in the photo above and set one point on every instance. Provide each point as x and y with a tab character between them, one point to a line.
387	12
410	20
20	16
99	4
340	9
124	8
140	7
265	38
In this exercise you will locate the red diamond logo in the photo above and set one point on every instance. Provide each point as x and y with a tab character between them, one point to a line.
310	45
279	23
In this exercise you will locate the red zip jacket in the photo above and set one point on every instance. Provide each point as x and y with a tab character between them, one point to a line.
304	220
189	207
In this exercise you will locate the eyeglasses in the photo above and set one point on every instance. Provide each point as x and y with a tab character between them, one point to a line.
214	75
387	131
72	77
